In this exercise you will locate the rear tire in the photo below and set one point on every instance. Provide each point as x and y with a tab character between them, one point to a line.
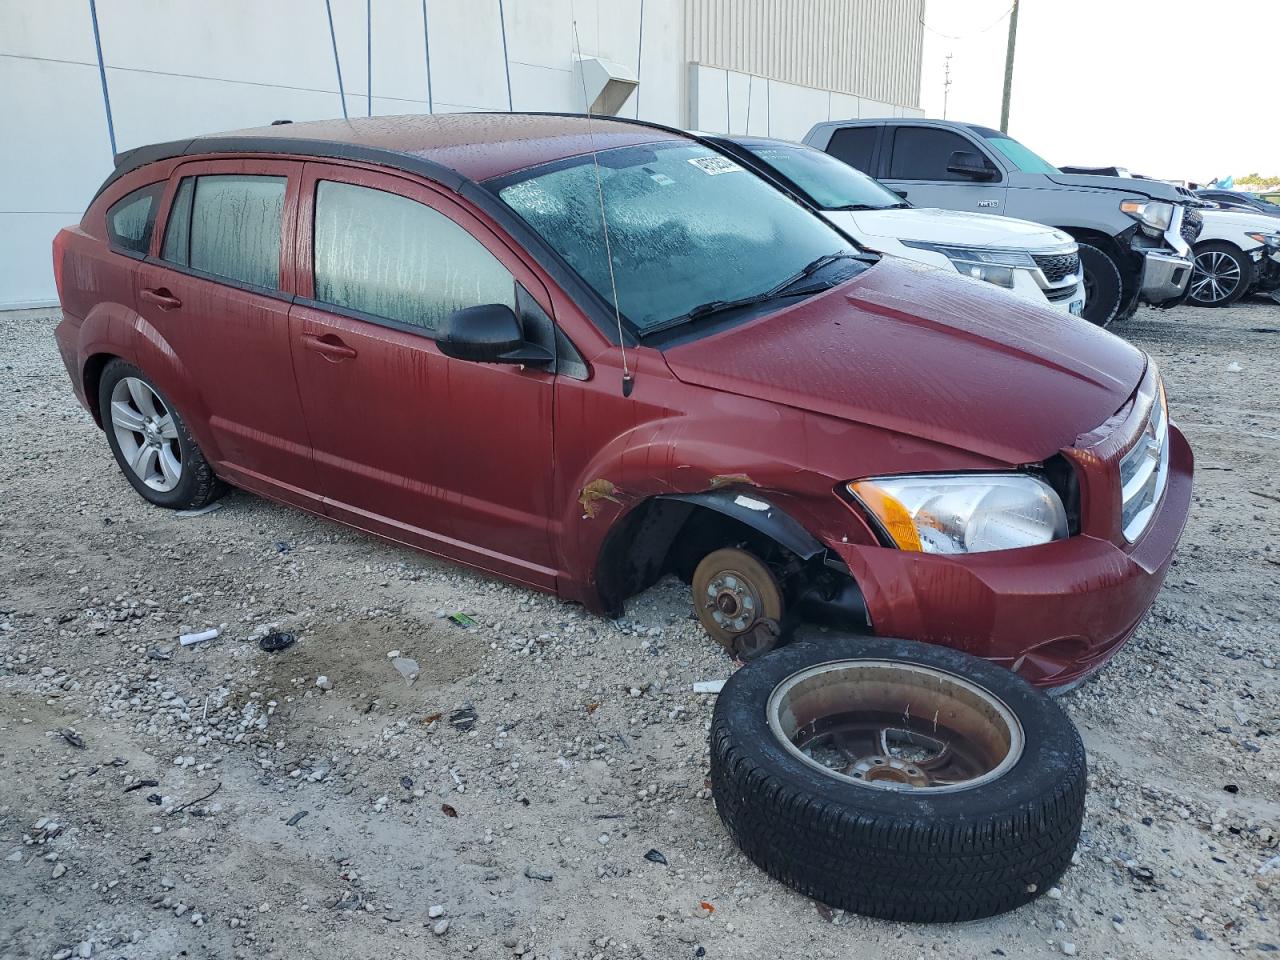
965	843
1223	274
151	442
1103	288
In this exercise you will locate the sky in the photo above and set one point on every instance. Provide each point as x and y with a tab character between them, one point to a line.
1168	89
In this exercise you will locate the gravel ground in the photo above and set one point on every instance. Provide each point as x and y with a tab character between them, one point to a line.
215	800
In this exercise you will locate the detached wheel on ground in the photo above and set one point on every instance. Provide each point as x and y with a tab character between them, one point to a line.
897	779
1103	288
739	602
151	442
1222	275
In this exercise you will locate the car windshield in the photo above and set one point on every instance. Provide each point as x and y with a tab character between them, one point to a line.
1020	156
830	183
688	228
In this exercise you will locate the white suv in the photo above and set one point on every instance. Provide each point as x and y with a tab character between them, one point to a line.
1033	261
1237	252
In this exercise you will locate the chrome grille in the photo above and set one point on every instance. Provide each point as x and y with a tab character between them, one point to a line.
1144	471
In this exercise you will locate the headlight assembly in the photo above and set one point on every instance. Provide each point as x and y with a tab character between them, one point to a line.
1154	215
1270	240
993	265
963	513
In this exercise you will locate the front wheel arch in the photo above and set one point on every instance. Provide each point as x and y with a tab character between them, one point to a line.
670	533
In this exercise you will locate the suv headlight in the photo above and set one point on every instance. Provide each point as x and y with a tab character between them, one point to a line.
1154	215
963	513
991	264
1270	240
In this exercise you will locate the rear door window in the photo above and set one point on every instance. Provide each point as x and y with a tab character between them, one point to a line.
387	256
855	146
132	218
922	153
228	226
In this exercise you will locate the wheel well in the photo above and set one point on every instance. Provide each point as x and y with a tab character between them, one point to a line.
662	536
1096	238
1206	244
92	377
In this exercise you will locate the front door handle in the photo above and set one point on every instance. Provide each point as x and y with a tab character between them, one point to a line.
161	297
328	346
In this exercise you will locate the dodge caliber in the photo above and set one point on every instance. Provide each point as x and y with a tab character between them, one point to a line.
587	354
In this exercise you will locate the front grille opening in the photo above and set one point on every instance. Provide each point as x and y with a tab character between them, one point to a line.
1144	471
1056	267
1061	475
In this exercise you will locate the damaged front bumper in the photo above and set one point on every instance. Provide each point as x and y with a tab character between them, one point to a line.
1052	613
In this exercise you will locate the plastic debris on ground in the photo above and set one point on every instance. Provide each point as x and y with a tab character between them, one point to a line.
187	639
464	718
216	505
277	641
407	667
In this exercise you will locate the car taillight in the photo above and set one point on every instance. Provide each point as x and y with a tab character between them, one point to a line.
59	251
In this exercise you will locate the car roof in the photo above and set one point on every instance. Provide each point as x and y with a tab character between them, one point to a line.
451	148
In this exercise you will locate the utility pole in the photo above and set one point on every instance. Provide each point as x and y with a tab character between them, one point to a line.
946	84
1008	68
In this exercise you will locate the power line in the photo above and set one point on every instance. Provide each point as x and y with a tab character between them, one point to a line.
966	36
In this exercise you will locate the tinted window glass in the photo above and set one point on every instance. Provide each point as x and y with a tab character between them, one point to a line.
922	153
132	218
830	184
687	227
234	229
177	234
854	145
1020	156
389	256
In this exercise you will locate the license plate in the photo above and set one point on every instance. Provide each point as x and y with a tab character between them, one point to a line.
1077	308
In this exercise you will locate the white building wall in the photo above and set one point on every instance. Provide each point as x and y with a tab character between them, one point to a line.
177	68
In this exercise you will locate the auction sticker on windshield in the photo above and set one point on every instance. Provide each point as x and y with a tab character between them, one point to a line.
714	165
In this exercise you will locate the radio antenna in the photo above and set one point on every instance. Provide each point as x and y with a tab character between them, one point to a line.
628	381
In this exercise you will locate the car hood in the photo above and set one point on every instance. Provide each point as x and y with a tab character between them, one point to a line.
1133	186
927	353
950	226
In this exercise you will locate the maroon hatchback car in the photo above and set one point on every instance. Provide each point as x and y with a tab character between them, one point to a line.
424	327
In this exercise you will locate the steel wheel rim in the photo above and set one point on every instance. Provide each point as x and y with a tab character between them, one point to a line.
146	434
1216	277
889	725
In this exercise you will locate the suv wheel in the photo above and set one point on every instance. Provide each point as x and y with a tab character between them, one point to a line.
151	442
738	601
1222	275
1103	288
897	779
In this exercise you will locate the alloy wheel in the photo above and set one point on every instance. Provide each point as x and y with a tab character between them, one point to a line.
146	433
1216	277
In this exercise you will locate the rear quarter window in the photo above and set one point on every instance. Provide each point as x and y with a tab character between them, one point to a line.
132	218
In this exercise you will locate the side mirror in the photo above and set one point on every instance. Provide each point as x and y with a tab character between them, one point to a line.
971	165
489	333
901	193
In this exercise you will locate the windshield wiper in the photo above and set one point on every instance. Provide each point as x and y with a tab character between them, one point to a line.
855	206
782	289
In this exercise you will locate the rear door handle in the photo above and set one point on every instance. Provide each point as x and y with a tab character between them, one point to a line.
328	346
161	297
